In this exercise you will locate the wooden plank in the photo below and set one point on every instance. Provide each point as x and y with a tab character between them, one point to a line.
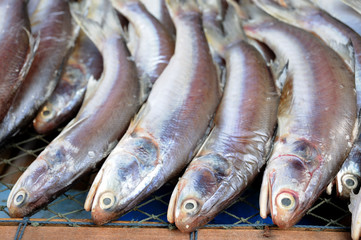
271	234
110	233
82	233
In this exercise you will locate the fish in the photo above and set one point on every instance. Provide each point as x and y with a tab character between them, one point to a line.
342	12
85	61
51	22
355	4
107	109
154	47
354	207
348	179
168	129
317	119
238	144
159	10
17	50
303	14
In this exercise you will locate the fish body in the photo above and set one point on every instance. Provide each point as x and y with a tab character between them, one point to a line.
237	147
334	33
342	12
84	62
51	22
165	133
159	10
16	50
355	4
103	117
316	120
154	47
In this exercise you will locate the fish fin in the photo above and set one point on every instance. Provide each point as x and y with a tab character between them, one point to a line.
103	23
33	47
279	74
177	7
264	198
92	191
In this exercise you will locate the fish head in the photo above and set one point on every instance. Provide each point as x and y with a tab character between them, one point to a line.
44	120
291	11
33	189
127	177
348	179
289	185
197	198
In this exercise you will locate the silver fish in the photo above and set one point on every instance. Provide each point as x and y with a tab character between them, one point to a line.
316	116
237	147
108	106
51	21
154	46
165	133
342	12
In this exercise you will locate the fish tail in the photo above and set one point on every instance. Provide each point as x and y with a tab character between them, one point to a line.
102	24
177	7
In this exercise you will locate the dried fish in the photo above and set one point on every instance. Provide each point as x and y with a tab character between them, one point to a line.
316	119
51	22
85	61
237	146
102	119
165	133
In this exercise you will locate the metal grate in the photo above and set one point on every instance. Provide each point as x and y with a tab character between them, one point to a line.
327	213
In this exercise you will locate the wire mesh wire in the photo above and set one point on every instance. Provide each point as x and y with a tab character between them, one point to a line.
327	213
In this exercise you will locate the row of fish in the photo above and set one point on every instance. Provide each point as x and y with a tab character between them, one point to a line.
149	95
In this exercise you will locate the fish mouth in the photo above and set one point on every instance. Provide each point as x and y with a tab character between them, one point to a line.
186	212
281	189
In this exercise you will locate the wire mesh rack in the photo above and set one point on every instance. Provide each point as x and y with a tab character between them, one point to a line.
327	213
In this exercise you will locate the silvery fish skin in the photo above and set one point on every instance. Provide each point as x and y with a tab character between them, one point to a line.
316	120
158	9
342	12
16	50
85	61
237	147
103	117
335	34
154	47
162	138
355	209
348	179
51	21
355	4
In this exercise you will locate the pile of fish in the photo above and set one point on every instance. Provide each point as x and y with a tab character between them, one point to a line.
221	89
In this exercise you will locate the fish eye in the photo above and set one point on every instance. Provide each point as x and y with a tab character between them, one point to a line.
20	198
47	112
350	181
107	200
190	206
286	201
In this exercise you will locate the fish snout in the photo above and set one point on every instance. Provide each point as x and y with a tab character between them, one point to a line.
101	216
285	208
